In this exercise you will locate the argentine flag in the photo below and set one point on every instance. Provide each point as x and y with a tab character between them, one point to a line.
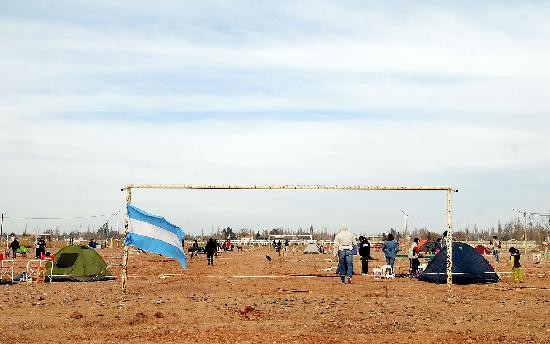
155	234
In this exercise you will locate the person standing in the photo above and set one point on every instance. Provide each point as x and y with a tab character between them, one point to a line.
40	247
343	246
286	247
390	249
443	241
364	252
211	248
412	254
517	274
195	249
495	248
14	245
437	246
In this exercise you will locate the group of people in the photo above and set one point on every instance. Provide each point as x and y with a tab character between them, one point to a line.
344	243
280	247
211	249
40	247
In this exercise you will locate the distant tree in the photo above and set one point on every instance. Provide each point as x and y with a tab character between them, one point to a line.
460	236
227	233
104	230
275	231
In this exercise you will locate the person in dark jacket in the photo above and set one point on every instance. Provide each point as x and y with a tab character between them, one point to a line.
14	245
92	244
364	252
40	247
278	247
211	248
517	274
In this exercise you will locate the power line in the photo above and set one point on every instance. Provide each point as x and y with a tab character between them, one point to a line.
60	218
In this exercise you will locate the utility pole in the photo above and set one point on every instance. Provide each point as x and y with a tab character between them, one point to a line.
2	225
524	213
118	222
2	230
406	232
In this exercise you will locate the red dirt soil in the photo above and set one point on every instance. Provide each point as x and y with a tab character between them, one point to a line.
220	304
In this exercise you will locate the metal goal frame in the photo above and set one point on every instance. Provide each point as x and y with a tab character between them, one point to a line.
448	189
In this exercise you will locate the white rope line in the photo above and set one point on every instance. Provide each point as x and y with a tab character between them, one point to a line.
458	273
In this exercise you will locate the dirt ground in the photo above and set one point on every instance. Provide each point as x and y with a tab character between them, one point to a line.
282	303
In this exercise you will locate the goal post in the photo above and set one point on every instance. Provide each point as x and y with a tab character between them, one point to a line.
448	189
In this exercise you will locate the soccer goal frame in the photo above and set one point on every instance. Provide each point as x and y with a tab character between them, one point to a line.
448	189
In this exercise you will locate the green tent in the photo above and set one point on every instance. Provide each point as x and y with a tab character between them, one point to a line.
22	250
79	263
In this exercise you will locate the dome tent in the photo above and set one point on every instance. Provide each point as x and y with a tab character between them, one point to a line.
311	248
468	267
79	263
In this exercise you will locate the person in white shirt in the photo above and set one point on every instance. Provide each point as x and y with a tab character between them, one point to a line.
495	248
343	246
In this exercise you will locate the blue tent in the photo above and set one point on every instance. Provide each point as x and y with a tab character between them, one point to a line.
468	267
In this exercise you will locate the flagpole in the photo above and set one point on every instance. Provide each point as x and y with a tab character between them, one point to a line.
124	276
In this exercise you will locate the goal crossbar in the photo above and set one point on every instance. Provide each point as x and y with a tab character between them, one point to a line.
286	187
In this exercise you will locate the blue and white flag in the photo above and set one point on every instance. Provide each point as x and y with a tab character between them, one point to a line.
155	234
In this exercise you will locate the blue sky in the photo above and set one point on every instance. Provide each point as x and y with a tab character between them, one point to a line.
95	95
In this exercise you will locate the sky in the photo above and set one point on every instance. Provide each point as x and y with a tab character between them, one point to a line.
95	95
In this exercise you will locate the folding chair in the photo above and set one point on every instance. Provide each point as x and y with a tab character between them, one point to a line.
387	271
377	272
45	270
38	268
537	258
6	268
